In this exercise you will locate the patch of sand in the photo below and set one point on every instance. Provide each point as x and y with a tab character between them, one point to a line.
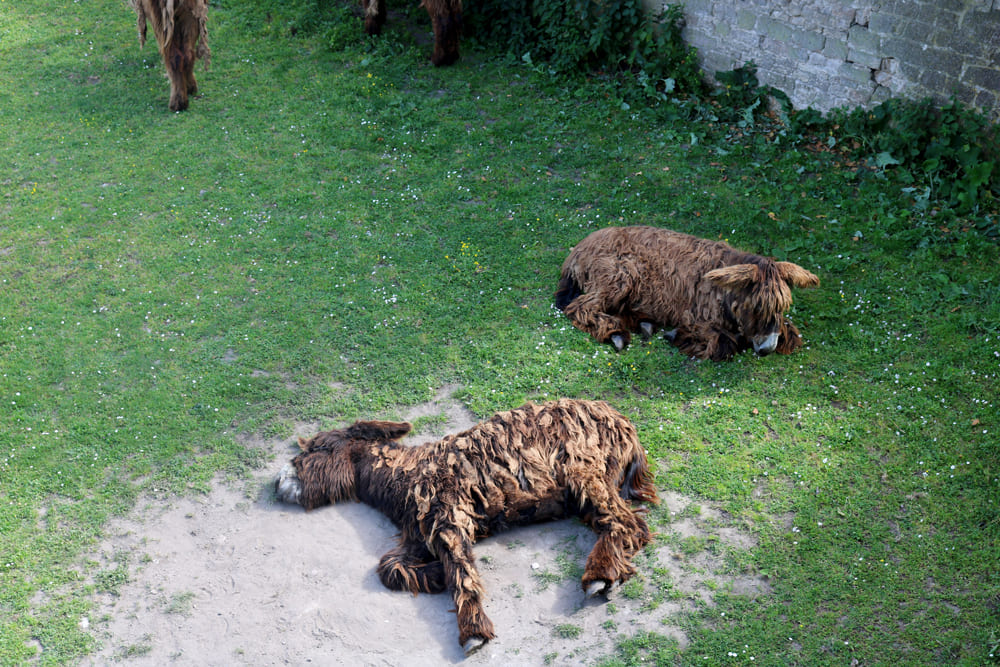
236	578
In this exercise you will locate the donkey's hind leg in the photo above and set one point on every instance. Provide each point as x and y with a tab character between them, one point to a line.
411	567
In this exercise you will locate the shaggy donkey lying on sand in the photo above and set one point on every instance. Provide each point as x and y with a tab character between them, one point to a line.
181	36
538	462
719	300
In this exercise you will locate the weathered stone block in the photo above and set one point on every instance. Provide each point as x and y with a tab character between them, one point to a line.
882	78
928	12
918	31
989	102
820	64
724	12
932	79
698	6
964	95
856	73
884	23
879	95
985	30
955	42
835	48
810	41
746	19
868	60
839	17
863	39
776	30
984	77
862	16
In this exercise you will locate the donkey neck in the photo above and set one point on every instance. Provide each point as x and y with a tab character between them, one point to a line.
385	473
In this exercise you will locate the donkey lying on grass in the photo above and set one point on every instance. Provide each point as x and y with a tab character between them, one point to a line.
718	300
538	462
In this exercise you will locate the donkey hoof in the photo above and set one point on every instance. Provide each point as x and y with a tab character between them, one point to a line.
618	341
670	335
647	329
287	487
473	644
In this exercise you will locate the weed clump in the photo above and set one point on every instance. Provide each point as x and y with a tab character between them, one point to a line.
587	35
948	154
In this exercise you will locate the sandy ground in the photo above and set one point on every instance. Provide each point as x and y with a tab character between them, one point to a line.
236	578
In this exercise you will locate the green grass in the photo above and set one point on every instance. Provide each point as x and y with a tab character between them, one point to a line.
336	229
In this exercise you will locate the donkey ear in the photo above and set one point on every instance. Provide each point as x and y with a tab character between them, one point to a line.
796	276
378	430
734	277
303	443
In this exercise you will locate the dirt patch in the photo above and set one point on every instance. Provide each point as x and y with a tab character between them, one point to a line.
234	577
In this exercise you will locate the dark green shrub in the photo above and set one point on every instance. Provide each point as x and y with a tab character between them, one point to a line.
950	151
741	99
738	88
574	35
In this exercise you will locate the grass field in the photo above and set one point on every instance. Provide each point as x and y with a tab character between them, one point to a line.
336	229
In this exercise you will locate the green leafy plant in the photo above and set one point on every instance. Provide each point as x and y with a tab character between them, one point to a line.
584	35
949	151
741	100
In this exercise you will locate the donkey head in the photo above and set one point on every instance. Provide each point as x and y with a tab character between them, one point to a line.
758	295
326	470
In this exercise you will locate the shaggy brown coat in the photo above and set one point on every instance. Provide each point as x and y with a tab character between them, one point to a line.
718	300
535	463
446	17
182	37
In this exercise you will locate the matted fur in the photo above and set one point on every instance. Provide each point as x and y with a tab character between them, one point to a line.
446	18
535	463
181	31
719	300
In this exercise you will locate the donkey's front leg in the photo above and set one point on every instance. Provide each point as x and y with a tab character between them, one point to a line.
455	551
591	313
621	532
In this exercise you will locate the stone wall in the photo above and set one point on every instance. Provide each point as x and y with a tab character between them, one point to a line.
833	53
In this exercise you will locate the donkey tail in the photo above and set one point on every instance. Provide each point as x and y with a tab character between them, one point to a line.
638	482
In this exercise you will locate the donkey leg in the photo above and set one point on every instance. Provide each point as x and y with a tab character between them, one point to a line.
192	83
374	11
589	313
474	627
621	532
174	60
178	91
411	567
446	17
703	343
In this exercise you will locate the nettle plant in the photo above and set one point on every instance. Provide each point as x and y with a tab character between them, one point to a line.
949	153
575	35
